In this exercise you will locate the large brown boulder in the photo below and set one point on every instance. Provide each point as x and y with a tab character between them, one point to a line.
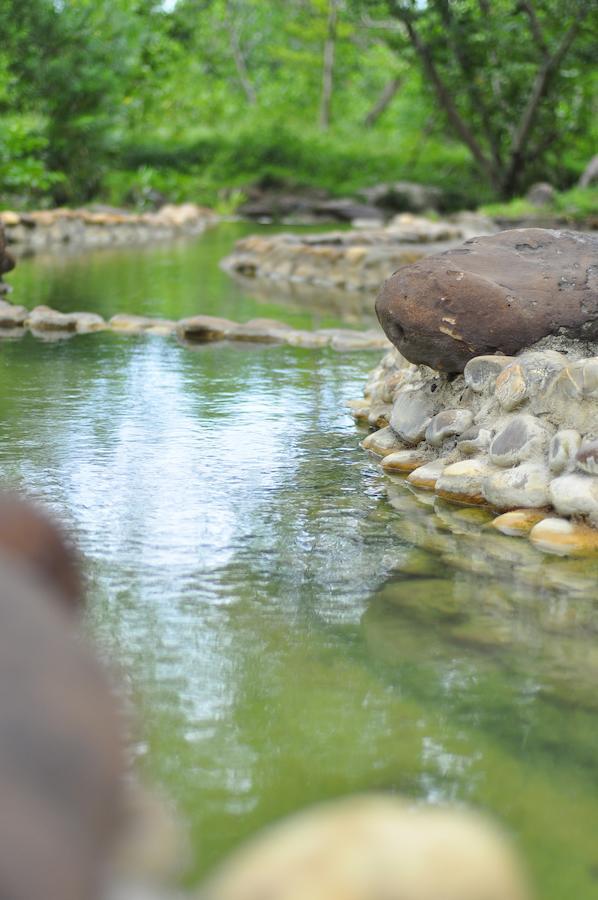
492	294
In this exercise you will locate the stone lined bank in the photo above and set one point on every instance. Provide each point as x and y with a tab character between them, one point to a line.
33	231
51	325
356	260
516	434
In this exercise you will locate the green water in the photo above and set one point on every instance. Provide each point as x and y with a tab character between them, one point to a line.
291	624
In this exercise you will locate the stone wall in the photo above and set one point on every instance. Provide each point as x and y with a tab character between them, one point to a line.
29	232
516	434
356	260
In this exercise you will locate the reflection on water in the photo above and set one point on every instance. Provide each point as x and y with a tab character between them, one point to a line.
173	280
292	624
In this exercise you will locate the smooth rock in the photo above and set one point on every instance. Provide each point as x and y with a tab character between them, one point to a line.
499	293
525	485
43	318
462	481
474	440
521	439
86	322
12	316
404	461
564	538
373	848
518	522
482	371
446	424
575	494
426	476
204	328
587	457
359	409
511	387
307	339
382	442
563	450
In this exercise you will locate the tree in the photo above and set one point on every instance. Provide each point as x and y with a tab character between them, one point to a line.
509	75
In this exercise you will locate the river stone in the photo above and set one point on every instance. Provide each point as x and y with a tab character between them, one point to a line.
482	371
524	486
382	442
511	387
501	292
448	423
523	437
404	461
43	318
426	476
518	522
587	457
462	481
12	316
204	328
374	847
563	449
474	440
575	494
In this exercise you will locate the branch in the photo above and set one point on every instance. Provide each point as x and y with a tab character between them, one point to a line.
476	99
528	8
537	94
240	64
445	98
328	65
383	102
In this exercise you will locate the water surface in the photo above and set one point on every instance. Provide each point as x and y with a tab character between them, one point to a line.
292	624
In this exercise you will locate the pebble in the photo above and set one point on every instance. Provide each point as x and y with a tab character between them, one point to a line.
403	461
426	476
521	439
462	481
525	485
382	442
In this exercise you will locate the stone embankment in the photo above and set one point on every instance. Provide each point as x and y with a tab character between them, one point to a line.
516	432
356	260
51	325
99	227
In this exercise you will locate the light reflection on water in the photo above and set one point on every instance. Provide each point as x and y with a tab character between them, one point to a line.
287	633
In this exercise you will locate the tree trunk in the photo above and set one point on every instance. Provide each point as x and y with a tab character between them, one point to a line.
328	66
238	56
386	97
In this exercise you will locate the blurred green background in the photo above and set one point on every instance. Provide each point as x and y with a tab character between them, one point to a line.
138	102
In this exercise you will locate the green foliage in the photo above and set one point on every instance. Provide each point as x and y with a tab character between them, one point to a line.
23	173
576	205
132	100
